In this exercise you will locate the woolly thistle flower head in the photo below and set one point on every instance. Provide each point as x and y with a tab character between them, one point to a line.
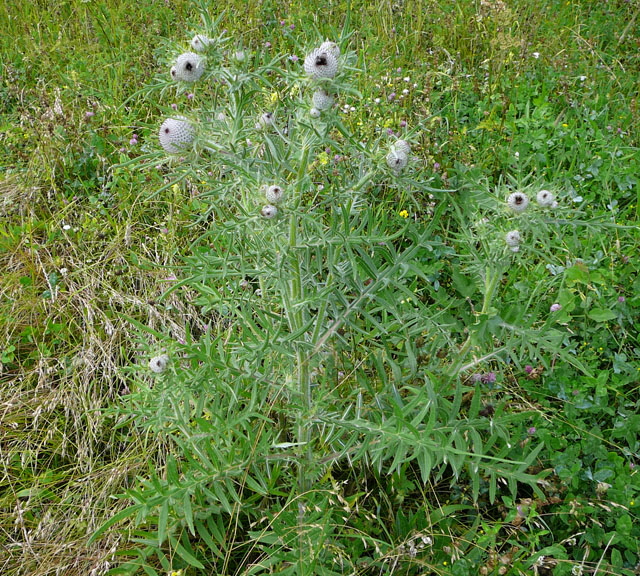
176	134
200	43
518	201
396	159
545	198
315	113
159	364
402	146
322	100
265	121
330	47
189	67
512	239
274	194
320	64
269	212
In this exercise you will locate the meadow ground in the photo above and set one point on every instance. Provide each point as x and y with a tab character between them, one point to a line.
428	368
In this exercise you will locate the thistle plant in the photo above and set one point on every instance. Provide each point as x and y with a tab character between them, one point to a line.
314	299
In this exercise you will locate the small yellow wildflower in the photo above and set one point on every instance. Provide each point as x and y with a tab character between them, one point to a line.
565	125
404	214
323	158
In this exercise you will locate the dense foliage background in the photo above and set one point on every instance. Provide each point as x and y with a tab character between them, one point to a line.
371	382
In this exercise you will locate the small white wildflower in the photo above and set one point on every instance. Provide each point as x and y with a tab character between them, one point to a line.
545	198
397	159
330	47
402	146
315	113
176	134
512	239
159	364
189	67
322	100
240	56
57	105
536	55
320	64
539	561
269	211
518	202
66	227
274	194
200	42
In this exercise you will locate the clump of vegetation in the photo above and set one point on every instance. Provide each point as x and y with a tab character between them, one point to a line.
291	300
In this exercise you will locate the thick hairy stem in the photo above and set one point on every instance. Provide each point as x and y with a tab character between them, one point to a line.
491	281
296	318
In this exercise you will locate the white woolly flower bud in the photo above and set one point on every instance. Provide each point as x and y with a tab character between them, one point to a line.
402	146
518	202
269	212
176	134
265	121
320	64
200	43
274	194
545	199
512	239
315	113
189	67
322	100
159	364
397	159
331	47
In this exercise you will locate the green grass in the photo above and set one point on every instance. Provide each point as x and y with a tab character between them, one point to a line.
501	96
